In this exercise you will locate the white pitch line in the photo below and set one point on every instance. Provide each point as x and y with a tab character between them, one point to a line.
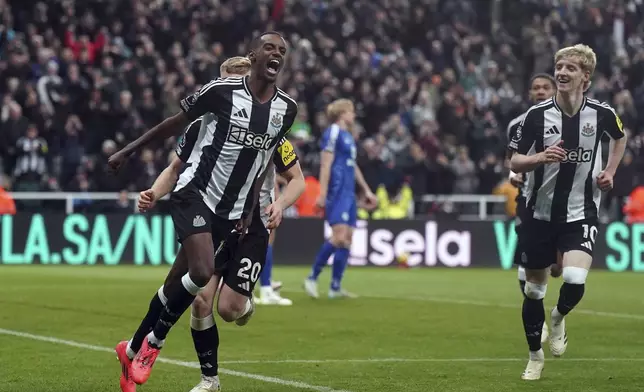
627	316
194	365
411	360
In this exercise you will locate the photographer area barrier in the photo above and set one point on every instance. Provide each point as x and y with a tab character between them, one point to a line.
139	239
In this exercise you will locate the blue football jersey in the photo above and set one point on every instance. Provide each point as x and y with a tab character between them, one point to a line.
342	179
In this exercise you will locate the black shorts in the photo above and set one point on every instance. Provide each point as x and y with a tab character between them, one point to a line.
191	215
521	208
240	262
520	215
540	240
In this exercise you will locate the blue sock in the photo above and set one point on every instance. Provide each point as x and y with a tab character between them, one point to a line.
265	277
340	262
321	259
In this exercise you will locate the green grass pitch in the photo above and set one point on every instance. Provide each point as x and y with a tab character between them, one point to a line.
418	330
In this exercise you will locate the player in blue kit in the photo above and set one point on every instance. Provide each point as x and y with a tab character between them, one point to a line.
339	175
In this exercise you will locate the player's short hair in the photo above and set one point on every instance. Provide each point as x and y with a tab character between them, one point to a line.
583	53
543	75
338	107
237	65
257	41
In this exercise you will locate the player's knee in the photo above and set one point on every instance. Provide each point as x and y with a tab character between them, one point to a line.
192	284
575	275
535	291
201	306
202	273
230	309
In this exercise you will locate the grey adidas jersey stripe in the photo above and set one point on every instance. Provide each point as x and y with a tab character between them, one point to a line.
237	143
566	191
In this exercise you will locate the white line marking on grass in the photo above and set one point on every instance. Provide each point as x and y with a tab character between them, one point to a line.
194	365
439	360
627	316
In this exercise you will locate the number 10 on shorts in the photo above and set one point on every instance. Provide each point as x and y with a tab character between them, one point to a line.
590	232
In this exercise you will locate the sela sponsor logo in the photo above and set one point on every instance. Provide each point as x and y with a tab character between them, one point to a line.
430	247
578	156
248	139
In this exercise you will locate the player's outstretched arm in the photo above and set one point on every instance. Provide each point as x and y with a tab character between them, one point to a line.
521	163
617	146
361	181
167	179
295	186
371	199
326	159
523	142
615	154
171	126
162	185
207	100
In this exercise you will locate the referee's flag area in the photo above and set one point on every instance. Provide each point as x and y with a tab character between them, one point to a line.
411	330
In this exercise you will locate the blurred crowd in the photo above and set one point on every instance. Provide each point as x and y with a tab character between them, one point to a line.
435	82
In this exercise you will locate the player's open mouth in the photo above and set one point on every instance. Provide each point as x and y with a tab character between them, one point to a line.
563	80
273	67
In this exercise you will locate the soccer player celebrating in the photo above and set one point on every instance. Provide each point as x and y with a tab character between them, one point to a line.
558	145
214	199
203	328
339	174
542	87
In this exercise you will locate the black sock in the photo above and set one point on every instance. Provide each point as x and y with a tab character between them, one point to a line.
569	296
533	318
178	302
205	337
522	286
151	318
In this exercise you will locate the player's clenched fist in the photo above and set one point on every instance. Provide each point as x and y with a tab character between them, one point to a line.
605	181
554	153
147	200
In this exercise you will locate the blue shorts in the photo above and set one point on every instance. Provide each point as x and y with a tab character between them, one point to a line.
341	211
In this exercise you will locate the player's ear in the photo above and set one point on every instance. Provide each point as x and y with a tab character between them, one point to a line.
251	56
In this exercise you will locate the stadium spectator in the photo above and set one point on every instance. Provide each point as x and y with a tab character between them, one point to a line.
434	81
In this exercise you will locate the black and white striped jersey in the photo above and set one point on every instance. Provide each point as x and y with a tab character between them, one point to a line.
230	146
510	132
566	191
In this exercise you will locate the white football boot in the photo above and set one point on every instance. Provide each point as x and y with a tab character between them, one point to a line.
544	333
311	288
335	294
207	384
535	366
267	296
558	336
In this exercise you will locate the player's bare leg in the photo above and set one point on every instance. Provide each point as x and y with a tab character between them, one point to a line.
199	251
127	350
205	337
576	264
534	315
233	306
